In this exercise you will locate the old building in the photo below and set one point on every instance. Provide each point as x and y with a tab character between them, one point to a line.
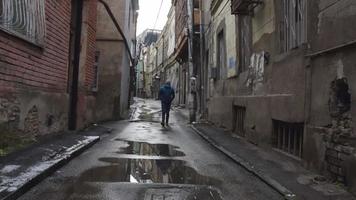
292	86
146	41
219	77
55	62
150	65
329	143
171	66
187	51
181	47
115	53
42	91
257	73
157	71
163	62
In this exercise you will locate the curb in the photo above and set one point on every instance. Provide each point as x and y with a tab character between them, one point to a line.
266	179
47	172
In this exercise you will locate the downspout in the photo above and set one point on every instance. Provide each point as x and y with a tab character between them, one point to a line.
127	47
72	119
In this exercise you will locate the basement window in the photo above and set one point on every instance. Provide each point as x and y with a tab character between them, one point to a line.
240	115
288	137
24	19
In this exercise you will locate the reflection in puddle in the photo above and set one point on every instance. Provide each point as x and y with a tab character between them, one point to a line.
146	149
146	171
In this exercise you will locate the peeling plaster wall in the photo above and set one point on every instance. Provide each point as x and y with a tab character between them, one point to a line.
272	88
331	132
223	18
33	113
263	20
333	15
330	138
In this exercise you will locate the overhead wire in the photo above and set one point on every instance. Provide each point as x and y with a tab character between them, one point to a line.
158	14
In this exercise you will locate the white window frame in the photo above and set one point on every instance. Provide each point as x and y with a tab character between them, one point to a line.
28	23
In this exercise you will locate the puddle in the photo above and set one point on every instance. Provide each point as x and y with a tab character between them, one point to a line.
206	194
146	149
146	171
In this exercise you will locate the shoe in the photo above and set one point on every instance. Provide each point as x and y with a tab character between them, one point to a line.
162	124
167	124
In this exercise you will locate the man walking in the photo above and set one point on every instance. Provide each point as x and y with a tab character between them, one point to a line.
166	95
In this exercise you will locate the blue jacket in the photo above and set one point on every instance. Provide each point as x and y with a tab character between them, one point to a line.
166	94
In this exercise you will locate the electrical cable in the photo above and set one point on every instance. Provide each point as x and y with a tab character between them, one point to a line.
159	13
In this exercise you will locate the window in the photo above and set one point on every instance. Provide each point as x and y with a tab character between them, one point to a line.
245	41
25	19
292	30
95	86
288	137
221	57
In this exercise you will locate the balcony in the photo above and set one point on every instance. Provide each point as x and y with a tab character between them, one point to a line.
244	7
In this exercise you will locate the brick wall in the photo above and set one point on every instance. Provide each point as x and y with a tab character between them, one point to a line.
33	79
181	19
86	99
23	64
91	21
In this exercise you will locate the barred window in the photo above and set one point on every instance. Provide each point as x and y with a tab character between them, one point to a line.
292	30
23	18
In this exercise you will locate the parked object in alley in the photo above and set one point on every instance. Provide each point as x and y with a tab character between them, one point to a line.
166	95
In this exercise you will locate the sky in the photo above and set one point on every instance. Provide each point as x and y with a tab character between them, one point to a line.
148	13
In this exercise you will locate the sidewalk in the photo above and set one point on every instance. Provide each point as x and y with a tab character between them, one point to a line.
281	172
19	171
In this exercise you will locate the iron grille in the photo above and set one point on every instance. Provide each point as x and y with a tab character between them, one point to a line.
293	24
288	137
24	18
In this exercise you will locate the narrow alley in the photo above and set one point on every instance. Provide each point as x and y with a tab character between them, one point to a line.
177	99
141	151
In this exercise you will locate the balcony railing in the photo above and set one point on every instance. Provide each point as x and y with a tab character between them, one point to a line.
244	7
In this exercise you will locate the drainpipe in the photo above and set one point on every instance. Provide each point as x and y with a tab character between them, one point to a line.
72	119
127	47
192	100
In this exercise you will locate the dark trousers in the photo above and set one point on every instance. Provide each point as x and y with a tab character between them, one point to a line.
166	107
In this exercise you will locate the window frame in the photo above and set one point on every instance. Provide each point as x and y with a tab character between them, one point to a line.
38	21
221	56
293	24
